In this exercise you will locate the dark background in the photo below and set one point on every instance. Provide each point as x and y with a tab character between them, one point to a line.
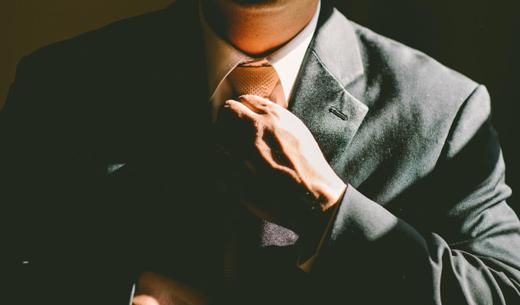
479	38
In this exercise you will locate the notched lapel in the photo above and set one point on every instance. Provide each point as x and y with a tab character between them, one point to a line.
331	113
320	99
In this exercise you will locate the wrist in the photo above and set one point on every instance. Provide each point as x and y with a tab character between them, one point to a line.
328	195
335	195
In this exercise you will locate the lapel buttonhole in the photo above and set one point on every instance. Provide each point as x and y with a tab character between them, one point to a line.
338	113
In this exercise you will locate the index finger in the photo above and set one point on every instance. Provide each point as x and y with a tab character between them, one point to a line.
241	110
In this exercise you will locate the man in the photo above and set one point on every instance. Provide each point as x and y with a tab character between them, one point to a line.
331	165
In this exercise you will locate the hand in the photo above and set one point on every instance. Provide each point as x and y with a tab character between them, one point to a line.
155	289
288	148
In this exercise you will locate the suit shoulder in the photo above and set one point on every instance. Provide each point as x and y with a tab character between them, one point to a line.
426	98
411	72
100	46
93	66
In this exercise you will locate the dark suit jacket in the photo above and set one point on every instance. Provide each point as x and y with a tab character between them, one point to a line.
107	170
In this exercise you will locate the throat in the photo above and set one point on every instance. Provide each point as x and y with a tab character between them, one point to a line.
258	30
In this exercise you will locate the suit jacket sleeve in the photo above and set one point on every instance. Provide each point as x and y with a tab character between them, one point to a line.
26	170
46	183
473	257
17	153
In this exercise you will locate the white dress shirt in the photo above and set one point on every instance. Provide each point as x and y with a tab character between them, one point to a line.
222	58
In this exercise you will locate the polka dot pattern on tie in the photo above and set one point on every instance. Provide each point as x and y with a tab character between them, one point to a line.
257	80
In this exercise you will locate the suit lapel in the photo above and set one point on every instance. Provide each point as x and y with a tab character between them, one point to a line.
320	99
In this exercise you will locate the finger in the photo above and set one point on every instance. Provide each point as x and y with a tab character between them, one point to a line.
267	154
255	106
257	102
241	110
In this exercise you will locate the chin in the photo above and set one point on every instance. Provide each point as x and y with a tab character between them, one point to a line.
259	3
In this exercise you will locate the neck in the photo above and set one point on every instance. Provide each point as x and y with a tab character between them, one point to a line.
258	29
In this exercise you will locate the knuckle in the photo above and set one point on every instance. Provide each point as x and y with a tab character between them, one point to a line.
271	108
274	123
275	112
258	125
258	142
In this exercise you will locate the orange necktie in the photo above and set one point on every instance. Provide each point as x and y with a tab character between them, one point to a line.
258	78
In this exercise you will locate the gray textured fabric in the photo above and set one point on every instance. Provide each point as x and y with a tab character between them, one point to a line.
424	220
275	235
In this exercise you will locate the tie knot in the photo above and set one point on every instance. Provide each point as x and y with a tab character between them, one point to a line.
254	79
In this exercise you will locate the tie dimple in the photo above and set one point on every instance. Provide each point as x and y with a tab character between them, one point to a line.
257	80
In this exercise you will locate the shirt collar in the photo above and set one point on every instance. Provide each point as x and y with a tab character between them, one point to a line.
222	57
